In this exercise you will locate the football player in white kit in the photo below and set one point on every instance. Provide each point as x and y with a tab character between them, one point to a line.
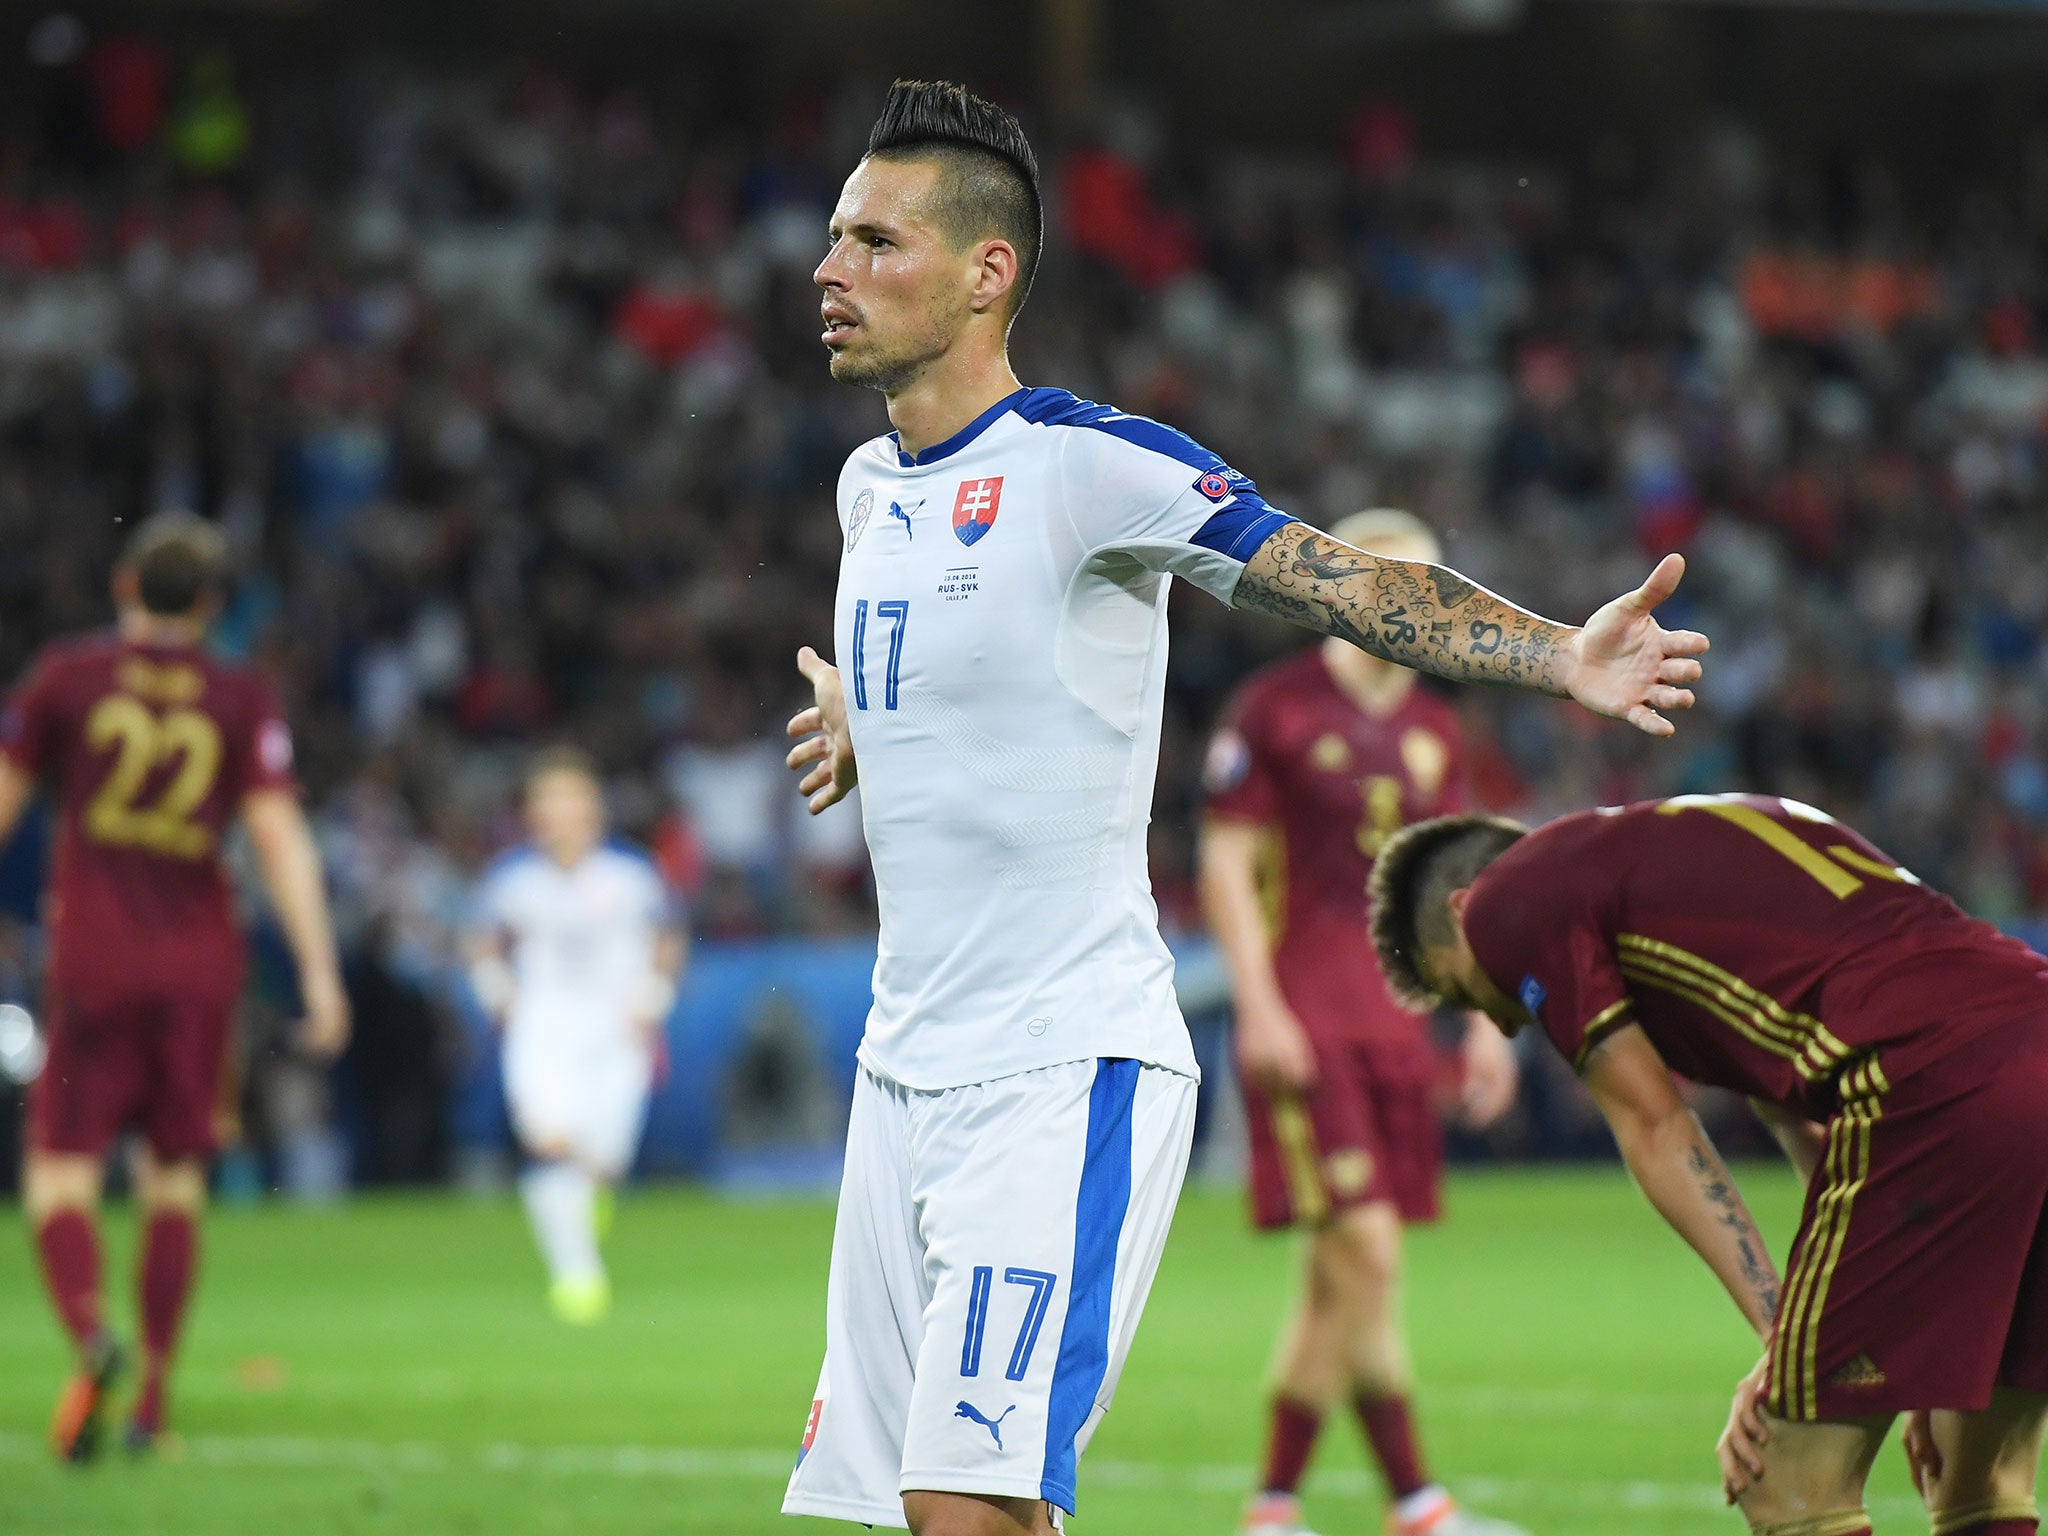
577	951
1025	1095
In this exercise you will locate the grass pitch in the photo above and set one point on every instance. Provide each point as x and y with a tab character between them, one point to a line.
389	1367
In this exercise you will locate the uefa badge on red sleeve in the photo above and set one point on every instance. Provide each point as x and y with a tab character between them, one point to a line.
1532	994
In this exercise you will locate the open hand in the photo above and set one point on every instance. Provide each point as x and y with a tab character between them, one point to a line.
826	749
1627	666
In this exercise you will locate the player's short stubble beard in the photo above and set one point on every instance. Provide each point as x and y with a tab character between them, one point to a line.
872	365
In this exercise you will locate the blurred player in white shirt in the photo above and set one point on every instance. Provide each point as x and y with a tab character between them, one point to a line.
577	951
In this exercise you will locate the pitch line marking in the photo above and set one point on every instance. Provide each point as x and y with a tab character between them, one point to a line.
685	1463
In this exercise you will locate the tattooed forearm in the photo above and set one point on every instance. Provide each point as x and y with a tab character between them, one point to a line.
1403	610
1711	1175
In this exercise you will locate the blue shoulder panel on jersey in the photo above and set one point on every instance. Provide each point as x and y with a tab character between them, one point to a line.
1239	530
1236	530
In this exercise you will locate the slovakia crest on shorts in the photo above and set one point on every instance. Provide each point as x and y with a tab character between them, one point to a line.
975	508
857	519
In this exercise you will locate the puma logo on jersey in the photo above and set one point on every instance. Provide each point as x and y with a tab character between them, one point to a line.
967	1410
899	511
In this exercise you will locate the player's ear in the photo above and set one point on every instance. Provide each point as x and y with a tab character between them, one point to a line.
1456	901
126	586
995	275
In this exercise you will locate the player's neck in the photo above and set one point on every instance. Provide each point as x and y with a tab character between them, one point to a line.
564	856
1375	686
138	626
947	396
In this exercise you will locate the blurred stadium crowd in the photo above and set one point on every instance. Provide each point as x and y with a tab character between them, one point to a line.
509	394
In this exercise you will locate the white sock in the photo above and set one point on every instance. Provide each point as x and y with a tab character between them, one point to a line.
560	1202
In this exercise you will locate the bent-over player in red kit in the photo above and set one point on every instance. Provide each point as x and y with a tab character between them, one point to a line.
1322	758
150	747
1898	1047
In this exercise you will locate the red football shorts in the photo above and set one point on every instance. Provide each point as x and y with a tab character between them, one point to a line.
1919	1278
155	1063
1366	1131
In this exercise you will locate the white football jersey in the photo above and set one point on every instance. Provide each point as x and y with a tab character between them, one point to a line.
1001	636
582	940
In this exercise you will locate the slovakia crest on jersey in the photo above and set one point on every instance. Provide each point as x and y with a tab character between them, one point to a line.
975	508
857	519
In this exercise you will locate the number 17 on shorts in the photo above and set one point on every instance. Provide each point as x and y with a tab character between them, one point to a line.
994	1246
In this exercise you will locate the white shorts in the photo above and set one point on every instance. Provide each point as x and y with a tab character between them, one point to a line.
994	1247
590	1095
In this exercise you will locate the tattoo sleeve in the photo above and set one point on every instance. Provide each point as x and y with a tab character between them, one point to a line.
1422	616
1711	1175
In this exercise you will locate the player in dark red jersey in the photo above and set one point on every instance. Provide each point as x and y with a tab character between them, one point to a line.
1323	757
1898	1047
150	748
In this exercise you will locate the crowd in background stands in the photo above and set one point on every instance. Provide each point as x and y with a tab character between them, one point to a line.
509	394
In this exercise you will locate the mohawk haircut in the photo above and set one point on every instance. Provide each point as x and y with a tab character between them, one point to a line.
1411	885
989	182
179	560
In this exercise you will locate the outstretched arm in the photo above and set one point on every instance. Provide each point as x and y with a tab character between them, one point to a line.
1621	663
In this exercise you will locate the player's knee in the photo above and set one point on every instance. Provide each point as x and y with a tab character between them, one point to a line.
1794	1498
1358	1256
1850	1521
171	1185
57	1182
959	1514
1983	1495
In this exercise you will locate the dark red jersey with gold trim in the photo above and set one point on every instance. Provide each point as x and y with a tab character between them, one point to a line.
149	751
1299	755
1762	945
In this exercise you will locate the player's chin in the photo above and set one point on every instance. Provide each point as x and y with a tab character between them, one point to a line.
857	364
849	365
